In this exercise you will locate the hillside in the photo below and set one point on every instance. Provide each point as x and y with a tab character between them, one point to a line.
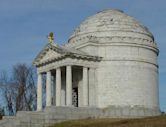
143	122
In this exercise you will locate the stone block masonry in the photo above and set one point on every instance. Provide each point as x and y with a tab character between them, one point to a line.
53	114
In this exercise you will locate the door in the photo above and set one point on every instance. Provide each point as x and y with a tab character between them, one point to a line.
75	97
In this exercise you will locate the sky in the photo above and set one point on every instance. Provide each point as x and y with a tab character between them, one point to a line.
24	25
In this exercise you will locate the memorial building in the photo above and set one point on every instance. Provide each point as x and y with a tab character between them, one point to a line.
110	60
107	69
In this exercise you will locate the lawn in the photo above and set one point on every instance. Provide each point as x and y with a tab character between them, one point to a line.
143	122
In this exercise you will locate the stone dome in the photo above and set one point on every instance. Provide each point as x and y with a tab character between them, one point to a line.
111	23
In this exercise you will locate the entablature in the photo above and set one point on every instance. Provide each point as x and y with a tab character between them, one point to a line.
65	62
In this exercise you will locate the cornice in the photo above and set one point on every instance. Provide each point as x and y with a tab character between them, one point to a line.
62	57
119	40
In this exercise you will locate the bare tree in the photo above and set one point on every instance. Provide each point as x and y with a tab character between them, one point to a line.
7	92
1	112
19	91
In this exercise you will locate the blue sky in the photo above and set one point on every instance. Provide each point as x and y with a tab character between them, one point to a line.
24	25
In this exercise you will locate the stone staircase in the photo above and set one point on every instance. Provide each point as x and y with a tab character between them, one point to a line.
52	115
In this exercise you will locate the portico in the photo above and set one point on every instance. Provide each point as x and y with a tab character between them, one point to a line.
67	77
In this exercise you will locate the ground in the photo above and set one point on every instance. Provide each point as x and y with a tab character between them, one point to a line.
143	122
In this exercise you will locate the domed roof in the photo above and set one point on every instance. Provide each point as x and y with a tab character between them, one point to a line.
110	23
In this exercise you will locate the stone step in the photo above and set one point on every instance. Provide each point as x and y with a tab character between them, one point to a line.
9	123
54	114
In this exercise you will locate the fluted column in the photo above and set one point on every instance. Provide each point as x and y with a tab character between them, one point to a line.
85	86
58	87
68	85
48	89
39	92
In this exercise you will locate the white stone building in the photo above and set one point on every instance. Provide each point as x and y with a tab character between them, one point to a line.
108	69
109	61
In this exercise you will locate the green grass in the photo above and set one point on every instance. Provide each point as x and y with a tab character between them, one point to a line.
143	122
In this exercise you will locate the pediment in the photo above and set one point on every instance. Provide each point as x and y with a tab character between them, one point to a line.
49	55
53	52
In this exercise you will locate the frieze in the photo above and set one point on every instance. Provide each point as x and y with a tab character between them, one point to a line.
53	65
113	39
79	57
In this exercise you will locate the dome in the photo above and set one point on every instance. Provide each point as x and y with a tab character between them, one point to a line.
110	23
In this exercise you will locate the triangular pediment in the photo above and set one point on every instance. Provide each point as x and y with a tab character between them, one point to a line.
48	53
53	52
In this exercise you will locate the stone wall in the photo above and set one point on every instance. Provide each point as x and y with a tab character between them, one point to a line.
53	115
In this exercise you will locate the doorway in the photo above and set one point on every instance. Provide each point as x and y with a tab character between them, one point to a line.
75	97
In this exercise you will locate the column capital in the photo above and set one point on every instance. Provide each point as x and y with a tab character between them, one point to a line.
58	68
39	73
69	64
85	67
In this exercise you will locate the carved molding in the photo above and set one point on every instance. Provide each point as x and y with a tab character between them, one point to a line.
64	62
79	40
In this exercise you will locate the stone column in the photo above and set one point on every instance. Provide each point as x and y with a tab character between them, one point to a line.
39	92
58	87
85	86
92	87
68	85
48	89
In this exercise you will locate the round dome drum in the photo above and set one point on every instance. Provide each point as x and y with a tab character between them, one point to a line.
127	75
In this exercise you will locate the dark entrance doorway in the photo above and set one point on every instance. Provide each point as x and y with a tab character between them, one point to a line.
75	97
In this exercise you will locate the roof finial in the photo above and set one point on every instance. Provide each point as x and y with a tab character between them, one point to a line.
51	37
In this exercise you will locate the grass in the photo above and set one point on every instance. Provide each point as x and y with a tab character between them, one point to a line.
159	121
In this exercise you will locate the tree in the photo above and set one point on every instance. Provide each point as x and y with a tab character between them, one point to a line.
19	91
7	92
2	112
